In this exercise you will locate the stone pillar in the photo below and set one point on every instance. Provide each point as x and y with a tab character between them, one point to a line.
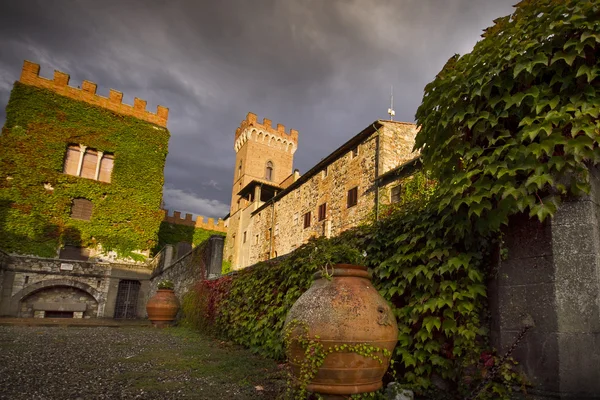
215	261
257	203
551	280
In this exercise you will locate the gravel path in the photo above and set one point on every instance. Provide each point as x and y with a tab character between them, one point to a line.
128	363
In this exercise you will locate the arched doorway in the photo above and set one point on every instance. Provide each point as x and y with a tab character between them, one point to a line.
127	299
59	301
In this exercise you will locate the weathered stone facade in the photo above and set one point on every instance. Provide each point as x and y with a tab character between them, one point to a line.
268	226
202	262
33	286
550	282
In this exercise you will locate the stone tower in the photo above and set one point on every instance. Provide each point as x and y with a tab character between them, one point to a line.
264	160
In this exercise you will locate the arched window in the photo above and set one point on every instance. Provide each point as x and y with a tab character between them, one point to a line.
269	171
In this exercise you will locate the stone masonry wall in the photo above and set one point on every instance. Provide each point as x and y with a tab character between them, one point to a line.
283	232
25	276
202	262
551	282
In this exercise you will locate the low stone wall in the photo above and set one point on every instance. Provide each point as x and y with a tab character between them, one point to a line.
203	262
26	281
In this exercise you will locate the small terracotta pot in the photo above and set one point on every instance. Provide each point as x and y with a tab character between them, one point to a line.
162	307
345	309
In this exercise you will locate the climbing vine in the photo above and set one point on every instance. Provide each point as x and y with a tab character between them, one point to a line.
509	128
36	197
175	233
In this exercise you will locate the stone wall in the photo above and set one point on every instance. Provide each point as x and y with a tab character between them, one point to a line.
28	280
204	261
551	282
277	227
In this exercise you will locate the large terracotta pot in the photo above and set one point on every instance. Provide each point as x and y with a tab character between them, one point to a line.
345	309
162	307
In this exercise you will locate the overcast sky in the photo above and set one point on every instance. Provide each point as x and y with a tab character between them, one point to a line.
323	67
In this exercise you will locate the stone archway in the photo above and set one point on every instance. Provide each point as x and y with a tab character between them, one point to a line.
57	297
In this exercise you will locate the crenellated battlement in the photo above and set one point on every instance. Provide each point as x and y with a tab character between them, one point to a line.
210	224
30	75
264	132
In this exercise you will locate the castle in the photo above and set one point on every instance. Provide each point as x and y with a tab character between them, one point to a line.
81	178
274	209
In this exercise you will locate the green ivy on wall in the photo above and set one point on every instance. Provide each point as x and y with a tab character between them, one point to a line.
507	129
33	220
176	233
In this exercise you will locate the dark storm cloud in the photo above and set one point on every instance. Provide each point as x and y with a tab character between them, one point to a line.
321	67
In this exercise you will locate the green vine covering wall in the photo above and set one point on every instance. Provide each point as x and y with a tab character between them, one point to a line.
33	220
176	233
509	128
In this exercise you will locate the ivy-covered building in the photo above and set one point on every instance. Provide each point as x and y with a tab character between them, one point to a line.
81	175
81	178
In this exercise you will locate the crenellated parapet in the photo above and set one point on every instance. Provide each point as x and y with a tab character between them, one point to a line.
251	129
210	224
30	75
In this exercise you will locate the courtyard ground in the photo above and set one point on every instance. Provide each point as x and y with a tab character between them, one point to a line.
129	362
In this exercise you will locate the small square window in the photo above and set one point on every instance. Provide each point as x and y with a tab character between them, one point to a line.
307	220
352	197
82	209
322	211
395	194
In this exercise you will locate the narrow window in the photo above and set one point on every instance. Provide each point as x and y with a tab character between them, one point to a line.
72	160
244	237
106	167
82	209
354	152
352	197
26	279
276	229
307	220
240	169
269	234
395	195
295	219
90	161
269	171
325	172
256	241
322	211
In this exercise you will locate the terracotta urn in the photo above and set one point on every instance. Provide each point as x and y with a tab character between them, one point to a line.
162	307
343	309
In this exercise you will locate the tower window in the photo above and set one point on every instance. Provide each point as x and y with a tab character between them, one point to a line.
395	195
82	209
88	163
269	171
352	197
240	170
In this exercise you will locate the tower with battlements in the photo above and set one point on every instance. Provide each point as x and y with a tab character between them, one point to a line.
263	167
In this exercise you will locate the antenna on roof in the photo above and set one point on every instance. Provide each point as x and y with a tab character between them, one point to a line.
391	109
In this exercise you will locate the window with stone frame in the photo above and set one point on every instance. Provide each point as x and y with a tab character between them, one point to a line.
269	171
307	220
395	194
322	211
352	197
354	152
82	209
88	163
